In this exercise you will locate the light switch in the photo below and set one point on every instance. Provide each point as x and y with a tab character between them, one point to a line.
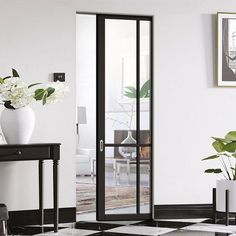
59	77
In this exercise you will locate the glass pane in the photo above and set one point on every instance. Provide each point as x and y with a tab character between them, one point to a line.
120	183
120	80
145	134
145	164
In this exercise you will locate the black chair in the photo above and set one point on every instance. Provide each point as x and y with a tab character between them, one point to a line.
3	219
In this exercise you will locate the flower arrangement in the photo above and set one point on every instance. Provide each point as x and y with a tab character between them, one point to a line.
15	93
226	155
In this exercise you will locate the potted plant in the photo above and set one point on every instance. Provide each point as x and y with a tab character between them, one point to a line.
18	119
225	156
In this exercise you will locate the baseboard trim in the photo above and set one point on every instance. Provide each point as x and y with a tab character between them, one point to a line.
31	217
186	211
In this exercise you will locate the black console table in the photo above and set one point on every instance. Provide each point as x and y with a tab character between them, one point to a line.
37	152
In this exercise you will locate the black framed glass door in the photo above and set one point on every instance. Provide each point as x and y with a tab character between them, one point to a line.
124	117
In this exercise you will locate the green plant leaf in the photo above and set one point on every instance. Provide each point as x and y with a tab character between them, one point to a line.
50	90
218	145
230	147
8	105
131	88
45	98
221	139
15	73
1	80
145	90
213	171
231	136
7	77
38	94
130	92
31	85
130	95
210	157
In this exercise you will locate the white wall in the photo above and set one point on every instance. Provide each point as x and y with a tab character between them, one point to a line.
38	37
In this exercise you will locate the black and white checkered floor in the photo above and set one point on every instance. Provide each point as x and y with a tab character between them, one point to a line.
144	228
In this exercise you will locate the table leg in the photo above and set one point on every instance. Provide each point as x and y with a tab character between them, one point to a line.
41	210
55	194
214	215
227	207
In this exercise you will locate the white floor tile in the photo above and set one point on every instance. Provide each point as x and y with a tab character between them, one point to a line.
140	230
198	220
68	231
219	228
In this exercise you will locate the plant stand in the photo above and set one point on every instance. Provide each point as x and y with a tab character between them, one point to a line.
226	207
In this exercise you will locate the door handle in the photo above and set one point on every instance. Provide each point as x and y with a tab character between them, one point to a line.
101	145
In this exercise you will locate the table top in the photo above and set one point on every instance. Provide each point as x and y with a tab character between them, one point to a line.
30	145
29	152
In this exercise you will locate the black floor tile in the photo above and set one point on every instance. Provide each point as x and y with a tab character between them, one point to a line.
95	225
29	230
166	224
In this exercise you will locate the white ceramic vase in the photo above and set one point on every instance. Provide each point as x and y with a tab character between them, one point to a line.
221	186
17	124
128	152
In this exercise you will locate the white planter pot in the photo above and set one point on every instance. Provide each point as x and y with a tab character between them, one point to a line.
17	125
221	186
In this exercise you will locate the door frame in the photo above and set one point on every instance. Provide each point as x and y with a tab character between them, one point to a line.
100	128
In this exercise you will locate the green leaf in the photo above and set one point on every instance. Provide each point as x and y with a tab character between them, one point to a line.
7	77
38	94
50	90
218	145
218	171
45	98
213	171
131	88
231	136
221	139
210	157
1	80
130	95
15	73
145	90
230	147
8	105
130	92
31	85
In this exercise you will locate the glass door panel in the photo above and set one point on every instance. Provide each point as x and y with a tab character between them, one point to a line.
145	117
120	183
120	78
145	82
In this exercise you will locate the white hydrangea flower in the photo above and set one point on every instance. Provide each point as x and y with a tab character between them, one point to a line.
17	92
58	94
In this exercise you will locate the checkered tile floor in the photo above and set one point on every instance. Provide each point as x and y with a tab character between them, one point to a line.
142	228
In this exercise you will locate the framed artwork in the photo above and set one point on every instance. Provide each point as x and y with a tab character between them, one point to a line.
226	45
